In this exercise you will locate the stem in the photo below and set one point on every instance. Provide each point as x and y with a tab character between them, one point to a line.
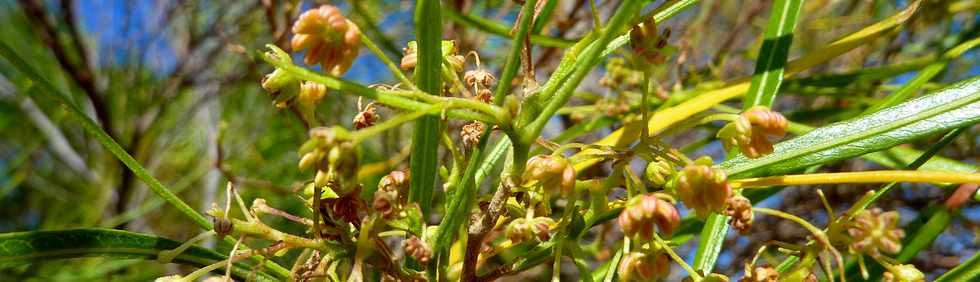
384	59
364	134
819	234
881	176
673	255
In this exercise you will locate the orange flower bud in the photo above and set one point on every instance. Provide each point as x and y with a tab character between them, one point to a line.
331	40
704	189
645	211
637	266
751	131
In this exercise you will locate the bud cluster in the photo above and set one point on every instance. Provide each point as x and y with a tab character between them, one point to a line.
331	39
619	76
703	188
450	53
643	212
659	171
286	90
329	155
471	132
527	229
391	194
639	266
875	232
554	173
740	210
750	132
366	117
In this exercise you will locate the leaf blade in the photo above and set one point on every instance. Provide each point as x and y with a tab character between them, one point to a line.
773	53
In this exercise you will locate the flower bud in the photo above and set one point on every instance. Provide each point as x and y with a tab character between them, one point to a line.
222	226
541	227
386	203
704	189
396	180
643	212
554	173
740	210
417	249
332	40
484	95
903	273
750	132
321	178
470	133
637	266
519	230
411	56
659	171
647	42
875	232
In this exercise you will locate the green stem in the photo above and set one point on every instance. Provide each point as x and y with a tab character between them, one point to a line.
387	61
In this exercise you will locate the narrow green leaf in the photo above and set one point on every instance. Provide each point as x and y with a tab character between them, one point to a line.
772	55
499	29
924	75
966	271
425	140
952	107
713	238
28	247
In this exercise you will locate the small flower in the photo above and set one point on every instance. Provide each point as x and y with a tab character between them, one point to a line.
647	43
310	95
750	132
903	273
411	56
519	230
366	118
704	189
554	173
761	274
222	226
484	95
332	40
396	180
417	249
637	266
645	211
740	210
470	133
659	171
386	203
875	232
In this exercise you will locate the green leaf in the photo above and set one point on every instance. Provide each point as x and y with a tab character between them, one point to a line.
713	233
28	247
772	55
428	77
949	108
499	29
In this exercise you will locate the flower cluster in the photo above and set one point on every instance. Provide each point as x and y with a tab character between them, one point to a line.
391	195
703	188
750	132
643	212
659	171
553	173
331	39
331	156
875	232
417	249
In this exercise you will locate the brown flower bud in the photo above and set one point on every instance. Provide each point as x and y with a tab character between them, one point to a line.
643	212
740	210
554	173
519	230
637	266
484	95
417	249
222	226
386	203
647	42
751	131
470	133
367	117
761	274
411	56
875	232
704	189
332	40
396	180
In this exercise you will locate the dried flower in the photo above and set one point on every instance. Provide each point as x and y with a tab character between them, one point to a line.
740	210
750	132
645	211
479	78
331	39
484	95
704	189
386	203
554	173
470	133
396	180
367	117
524	229
417	249
875	232
903	273
761	274
637	266
659	171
